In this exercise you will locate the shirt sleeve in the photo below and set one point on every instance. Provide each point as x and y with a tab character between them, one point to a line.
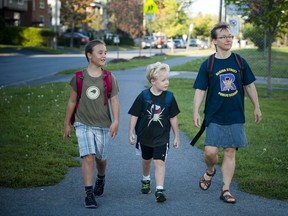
248	76
73	83
201	81
115	87
136	107
174	108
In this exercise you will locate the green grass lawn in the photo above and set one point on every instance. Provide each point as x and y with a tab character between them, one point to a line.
257	61
262	168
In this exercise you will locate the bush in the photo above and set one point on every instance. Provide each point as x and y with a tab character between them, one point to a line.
26	36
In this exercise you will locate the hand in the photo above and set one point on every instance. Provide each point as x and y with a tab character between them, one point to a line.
113	130
257	116
132	139
196	120
176	143
67	132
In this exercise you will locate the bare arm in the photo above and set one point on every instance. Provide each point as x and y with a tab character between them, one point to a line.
252	93
115	112
69	111
175	128
132	124
198	99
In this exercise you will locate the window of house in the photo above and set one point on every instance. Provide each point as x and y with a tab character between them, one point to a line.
20	2
42	4
42	21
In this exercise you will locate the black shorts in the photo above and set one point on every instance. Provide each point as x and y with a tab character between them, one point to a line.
157	153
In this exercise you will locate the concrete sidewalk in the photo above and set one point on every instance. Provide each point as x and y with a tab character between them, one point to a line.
122	194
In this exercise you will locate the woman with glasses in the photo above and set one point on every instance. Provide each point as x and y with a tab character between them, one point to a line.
224	117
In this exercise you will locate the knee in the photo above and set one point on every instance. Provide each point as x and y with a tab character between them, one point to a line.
229	153
89	158
159	163
210	154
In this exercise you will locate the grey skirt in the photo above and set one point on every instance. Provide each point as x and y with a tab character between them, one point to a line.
226	136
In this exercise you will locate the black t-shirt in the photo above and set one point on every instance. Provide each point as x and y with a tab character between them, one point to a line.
155	129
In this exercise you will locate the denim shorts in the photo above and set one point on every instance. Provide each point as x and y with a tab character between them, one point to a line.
92	140
226	136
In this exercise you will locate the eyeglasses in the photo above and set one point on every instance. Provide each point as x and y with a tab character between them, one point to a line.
226	37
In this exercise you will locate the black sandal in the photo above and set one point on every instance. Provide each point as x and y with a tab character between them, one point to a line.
227	198
206	183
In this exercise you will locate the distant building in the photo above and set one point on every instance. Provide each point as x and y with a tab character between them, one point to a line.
25	12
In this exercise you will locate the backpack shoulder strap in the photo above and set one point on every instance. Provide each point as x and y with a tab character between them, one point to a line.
79	83
209	67
146	98
107	78
168	99
210	62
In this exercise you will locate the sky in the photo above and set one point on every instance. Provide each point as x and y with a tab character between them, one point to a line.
205	7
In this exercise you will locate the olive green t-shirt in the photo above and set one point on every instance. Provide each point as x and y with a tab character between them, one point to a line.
91	110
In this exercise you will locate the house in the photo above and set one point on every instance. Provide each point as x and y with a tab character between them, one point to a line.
34	13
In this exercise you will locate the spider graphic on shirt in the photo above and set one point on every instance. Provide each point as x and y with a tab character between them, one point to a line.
155	114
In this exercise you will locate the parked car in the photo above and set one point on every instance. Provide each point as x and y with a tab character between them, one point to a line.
205	44
195	43
83	38
170	43
179	43
148	42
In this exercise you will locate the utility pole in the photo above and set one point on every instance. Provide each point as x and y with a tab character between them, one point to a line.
220	12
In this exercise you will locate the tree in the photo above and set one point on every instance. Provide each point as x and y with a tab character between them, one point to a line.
74	13
127	16
169	19
203	25
272	16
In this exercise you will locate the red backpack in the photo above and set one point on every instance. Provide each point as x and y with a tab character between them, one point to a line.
107	79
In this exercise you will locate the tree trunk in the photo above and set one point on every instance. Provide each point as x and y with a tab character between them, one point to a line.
72	34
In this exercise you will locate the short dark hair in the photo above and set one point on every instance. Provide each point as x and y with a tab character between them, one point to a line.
90	45
221	25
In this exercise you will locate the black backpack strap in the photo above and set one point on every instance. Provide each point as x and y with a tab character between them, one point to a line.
198	135
209	67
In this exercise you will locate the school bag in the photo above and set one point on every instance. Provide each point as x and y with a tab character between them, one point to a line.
147	101
209	69
107	79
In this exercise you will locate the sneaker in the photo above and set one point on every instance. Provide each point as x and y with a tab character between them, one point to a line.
90	201
160	197
145	187
99	187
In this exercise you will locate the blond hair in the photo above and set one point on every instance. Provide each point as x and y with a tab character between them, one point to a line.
153	70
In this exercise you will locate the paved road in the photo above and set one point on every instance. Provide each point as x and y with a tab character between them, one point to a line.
122	193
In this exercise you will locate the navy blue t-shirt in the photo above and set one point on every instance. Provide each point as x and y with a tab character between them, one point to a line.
225	97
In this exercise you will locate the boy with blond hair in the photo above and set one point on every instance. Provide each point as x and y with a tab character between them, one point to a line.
157	109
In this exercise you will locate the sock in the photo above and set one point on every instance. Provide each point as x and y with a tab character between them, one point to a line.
159	188
145	178
100	177
89	189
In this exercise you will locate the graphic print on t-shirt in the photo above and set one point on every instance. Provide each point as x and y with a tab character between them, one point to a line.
93	92
155	114
227	82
